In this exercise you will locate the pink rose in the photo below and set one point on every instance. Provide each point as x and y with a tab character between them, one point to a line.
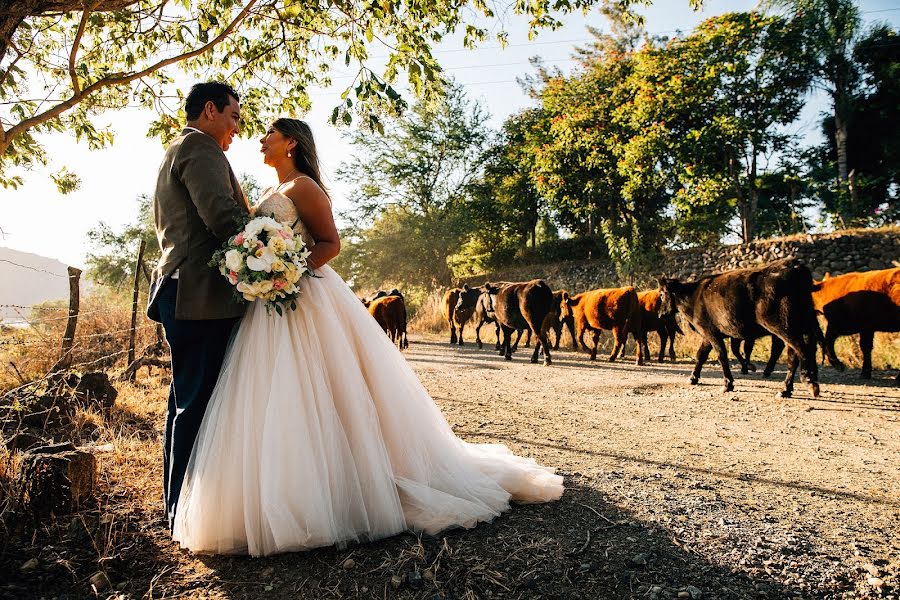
259	244
232	277
239	239
279	284
285	235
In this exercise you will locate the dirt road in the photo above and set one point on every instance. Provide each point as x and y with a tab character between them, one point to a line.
673	491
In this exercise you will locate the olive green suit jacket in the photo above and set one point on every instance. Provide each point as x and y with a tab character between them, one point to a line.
198	205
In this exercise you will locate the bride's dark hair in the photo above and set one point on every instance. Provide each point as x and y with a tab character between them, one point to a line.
306	159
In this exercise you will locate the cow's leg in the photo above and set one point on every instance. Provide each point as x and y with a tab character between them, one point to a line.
641	348
663	338
528	338
702	354
722	351
830	337
557	329
792	362
866	343
749	344
739	355
802	351
452	332
775	354
518	337
506	348
671	344
619	338
570	325
582	328
497	334
460	339
595	336
478	334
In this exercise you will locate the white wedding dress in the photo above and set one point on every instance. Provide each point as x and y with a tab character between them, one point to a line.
319	433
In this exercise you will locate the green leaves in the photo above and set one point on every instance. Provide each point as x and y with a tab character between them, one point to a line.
273	52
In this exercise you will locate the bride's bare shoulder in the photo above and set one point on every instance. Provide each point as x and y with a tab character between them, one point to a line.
304	189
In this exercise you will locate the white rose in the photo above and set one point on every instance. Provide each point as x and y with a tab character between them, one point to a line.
254	227
233	260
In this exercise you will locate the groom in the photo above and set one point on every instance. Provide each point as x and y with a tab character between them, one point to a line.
198	205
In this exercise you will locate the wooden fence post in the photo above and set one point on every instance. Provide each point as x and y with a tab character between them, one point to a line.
65	358
134	301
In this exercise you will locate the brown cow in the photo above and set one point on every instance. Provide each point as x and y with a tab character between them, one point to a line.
747	304
390	313
616	309
556	321
666	327
860	303
521	306
448	305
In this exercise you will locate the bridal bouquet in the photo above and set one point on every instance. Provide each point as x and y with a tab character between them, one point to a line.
264	261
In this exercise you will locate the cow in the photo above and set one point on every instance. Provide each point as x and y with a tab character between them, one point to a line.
615	309
556	322
466	300
521	306
390	314
651	321
775	299
484	313
858	303
448	304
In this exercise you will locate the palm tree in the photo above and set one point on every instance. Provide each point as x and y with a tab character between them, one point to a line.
832	28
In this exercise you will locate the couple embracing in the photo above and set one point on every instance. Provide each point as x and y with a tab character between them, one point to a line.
286	433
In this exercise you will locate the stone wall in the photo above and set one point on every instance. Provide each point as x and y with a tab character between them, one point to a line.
835	253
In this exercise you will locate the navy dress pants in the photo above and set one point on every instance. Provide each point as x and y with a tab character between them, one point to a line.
198	350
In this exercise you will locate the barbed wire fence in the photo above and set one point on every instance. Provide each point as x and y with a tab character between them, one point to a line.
71	342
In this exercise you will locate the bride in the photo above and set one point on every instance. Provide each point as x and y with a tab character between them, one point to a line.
318	431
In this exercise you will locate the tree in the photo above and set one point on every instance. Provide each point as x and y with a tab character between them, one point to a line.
832	28
113	259
722	97
63	62
409	190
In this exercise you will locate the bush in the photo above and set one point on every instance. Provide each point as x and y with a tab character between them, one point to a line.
558	250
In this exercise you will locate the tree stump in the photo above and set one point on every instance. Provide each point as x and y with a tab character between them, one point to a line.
57	480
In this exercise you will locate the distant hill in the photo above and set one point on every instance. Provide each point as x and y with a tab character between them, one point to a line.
26	286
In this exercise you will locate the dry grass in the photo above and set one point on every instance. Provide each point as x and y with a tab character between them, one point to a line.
426	316
101	337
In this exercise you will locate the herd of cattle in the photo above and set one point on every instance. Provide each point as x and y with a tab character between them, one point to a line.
780	300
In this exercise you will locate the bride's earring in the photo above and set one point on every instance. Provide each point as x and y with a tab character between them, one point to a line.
289	153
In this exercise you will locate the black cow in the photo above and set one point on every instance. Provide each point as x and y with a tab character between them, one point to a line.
465	307
747	304
521	306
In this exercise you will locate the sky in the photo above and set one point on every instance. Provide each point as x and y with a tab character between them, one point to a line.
36	218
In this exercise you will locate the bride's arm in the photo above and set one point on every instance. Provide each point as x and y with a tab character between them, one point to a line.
314	208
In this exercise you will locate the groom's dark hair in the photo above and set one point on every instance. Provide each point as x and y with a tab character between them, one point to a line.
210	91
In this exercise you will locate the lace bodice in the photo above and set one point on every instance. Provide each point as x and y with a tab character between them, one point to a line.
282	209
